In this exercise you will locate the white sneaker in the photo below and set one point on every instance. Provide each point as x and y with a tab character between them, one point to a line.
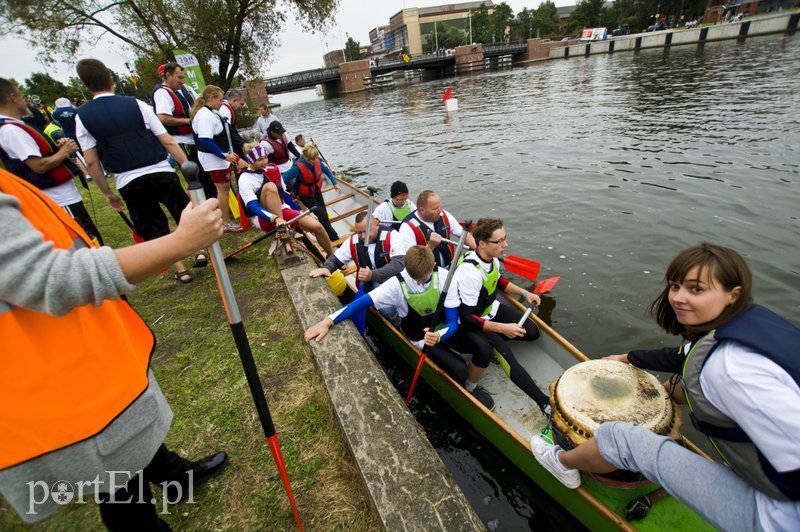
545	454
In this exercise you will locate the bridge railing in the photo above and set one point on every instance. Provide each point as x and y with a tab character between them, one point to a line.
307	77
503	48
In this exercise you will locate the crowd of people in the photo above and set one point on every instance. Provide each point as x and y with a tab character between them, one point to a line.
736	368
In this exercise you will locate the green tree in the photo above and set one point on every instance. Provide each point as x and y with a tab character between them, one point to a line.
586	15
545	19
352	49
500	20
234	35
481	25
522	26
76	89
45	86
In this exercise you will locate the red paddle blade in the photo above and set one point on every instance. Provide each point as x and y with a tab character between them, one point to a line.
277	456
545	286
523	267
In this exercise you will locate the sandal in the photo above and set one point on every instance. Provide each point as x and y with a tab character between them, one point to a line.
183	277
200	260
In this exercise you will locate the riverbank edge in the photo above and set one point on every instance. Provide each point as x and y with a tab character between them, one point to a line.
408	485
755	26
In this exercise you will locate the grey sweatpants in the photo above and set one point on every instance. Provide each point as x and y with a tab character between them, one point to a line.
710	489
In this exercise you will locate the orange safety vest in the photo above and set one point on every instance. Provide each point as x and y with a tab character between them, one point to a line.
64	378
310	180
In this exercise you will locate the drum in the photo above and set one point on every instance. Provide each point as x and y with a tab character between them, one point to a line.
596	391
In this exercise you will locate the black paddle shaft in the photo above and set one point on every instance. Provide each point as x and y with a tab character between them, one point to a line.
191	171
437	314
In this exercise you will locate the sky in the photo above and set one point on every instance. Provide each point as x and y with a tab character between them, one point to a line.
298	50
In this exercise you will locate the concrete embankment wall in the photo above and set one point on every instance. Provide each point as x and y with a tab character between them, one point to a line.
409	486
787	22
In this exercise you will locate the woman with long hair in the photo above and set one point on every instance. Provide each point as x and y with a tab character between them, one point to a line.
214	151
738	369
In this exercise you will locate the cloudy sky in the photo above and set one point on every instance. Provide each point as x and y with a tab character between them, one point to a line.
299	50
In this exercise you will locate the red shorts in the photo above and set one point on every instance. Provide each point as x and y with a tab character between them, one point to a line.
286	213
220	176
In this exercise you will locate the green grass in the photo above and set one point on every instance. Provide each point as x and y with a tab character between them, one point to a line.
198	368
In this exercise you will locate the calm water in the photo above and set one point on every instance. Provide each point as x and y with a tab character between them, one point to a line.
603	168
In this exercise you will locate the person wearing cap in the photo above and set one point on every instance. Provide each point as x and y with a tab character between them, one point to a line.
397	207
279	146
215	153
172	108
263	196
265	118
64	114
304	178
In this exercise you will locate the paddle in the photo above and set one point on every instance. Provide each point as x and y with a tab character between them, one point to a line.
268	234
322	156
541	288
134	234
438	312
233	203
191	171
365	241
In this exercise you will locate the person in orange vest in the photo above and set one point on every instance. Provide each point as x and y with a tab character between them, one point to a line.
81	412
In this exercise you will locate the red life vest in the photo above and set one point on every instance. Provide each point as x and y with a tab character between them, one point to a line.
441	226
280	155
230	109
382	257
178	111
58	175
310	182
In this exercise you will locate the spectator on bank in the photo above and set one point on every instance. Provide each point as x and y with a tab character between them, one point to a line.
122	135
265	118
64	114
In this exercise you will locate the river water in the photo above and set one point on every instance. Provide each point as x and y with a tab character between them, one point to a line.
603	168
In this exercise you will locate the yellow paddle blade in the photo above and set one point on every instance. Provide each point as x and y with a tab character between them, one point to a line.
233	204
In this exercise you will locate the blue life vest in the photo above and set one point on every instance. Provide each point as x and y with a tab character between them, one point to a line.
123	141
774	338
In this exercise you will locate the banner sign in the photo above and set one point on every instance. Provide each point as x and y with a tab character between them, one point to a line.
594	34
191	67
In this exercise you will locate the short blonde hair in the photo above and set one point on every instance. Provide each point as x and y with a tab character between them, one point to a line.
310	153
419	262
424	196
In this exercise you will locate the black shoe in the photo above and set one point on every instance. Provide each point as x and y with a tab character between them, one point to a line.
202	471
484	397
209	467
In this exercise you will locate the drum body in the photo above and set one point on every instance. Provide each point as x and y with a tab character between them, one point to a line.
596	391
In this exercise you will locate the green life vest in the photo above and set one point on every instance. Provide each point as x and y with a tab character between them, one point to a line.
399	213
425	302
489	291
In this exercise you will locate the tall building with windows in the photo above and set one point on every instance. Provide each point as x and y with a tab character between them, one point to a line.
415	29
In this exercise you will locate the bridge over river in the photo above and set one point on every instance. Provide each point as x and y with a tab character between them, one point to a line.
350	76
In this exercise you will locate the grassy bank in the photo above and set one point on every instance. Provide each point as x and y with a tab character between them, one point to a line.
198	368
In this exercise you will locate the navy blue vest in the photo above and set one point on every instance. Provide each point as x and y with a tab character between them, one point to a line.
775	338
123	141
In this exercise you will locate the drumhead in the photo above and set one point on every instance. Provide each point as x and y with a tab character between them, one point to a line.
596	391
